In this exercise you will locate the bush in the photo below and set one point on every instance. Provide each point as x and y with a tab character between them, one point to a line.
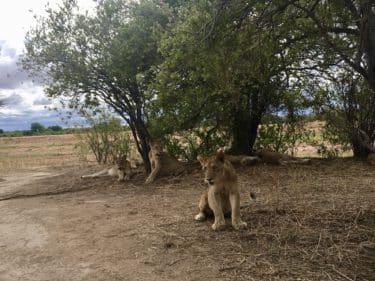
332	142
55	128
187	145
281	136
107	139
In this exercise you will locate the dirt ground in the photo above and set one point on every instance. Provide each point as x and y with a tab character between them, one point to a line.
310	222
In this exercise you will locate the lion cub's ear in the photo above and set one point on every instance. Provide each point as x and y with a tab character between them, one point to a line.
122	159
220	156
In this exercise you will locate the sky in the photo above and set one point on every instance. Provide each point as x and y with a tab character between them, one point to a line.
24	99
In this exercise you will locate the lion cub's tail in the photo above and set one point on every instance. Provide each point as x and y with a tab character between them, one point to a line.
253	198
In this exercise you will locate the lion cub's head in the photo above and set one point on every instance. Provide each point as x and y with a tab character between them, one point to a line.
215	167
156	148
122	161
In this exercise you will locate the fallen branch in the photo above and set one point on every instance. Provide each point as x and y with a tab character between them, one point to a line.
341	274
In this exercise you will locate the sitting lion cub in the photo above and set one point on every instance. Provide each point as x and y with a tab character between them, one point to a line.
122	169
223	194
162	164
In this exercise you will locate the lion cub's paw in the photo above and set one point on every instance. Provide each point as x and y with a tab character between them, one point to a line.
218	226
200	217
239	225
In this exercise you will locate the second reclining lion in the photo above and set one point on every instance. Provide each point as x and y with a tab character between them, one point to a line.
162	164
278	158
121	169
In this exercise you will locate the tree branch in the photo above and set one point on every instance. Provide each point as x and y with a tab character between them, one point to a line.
324	31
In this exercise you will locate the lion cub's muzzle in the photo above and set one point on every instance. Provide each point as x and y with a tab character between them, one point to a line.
210	181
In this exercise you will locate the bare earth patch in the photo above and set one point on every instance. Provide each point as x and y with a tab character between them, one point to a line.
309	223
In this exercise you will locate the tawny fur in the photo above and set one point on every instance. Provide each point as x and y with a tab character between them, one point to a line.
162	164
273	157
122	170
242	160
223	193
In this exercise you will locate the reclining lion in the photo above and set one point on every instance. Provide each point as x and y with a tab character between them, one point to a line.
162	164
122	170
242	160
273	157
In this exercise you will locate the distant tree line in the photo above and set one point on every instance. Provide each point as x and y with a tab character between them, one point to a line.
38	129
216	69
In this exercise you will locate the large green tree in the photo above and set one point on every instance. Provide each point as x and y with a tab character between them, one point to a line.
222	74
102	57
334	39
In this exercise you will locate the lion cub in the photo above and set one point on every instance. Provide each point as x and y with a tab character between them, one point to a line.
122	169
273	157
162	164
223	193
242	160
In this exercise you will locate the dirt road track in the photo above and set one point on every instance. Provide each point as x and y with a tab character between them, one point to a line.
104	233
308	224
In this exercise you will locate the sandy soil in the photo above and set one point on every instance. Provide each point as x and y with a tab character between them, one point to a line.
309	223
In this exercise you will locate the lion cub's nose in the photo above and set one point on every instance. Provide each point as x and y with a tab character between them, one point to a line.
210	181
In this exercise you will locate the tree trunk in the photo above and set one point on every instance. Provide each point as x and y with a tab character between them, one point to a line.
362	144
140	134
359	151
142	139
245	129
369	43
143	148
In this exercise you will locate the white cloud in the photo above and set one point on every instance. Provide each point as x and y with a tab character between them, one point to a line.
17	16
25	101
42	101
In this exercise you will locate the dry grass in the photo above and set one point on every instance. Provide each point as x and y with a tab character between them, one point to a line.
35	151
310	222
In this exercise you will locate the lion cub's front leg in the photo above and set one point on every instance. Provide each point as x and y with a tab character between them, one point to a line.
203	208
121	175
153	174
234	198
214	200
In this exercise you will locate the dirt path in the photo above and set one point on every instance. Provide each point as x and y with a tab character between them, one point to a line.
18	182
309	223
112	232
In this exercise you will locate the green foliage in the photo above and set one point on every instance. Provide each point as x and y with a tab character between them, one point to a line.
48	131
102	57
1	131
37	128
187	145
171	68
107	139
282	135
55	128
346	105
216	74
